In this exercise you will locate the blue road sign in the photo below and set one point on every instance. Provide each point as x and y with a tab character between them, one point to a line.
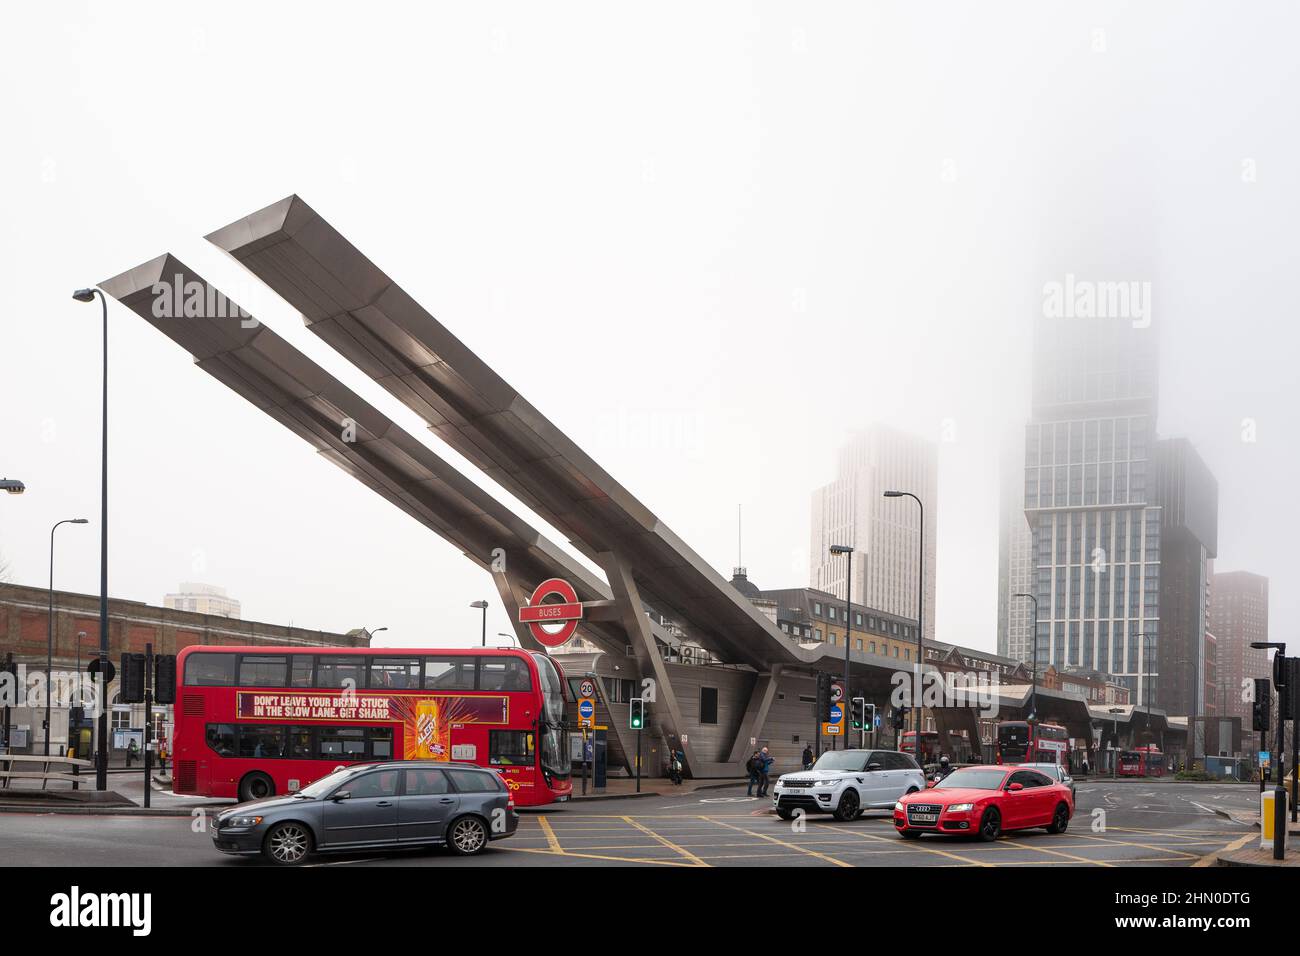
586	709
836	714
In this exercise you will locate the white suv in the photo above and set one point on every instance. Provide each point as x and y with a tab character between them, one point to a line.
846	782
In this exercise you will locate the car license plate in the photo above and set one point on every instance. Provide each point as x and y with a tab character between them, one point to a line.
563	798
924	817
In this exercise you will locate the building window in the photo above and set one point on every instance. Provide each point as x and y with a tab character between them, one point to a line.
708	705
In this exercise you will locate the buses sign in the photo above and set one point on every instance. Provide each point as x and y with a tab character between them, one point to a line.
539	614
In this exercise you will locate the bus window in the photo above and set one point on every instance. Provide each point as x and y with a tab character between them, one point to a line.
342	743
260	670
210	670
381	743
298	744
399	673
221	739
301	668
261	741
449	673
510	748
336	671
503	673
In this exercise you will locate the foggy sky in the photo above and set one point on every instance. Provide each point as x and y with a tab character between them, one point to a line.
707	241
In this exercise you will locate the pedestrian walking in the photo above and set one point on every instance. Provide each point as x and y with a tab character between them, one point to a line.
676	762
132	752
807	757
765	761
751	768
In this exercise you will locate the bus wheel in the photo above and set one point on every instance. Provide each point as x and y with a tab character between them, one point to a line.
1060	819
467	836
990	825
288	843
256	786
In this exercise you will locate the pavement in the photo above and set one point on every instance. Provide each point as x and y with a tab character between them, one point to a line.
1161	824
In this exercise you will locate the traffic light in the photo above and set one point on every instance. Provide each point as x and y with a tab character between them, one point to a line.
164	679
900	718
636	713
1261	709
823	712
1291	693
133	667
859	712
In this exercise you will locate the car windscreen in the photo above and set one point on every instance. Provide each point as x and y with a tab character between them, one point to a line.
328	782
842	760
973	778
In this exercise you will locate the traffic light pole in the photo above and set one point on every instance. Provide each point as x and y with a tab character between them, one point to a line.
148	718
638	758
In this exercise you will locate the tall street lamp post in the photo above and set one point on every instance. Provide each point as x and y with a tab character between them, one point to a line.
1033	681
846	698
12	485
49	630
482	606
920	614
101	765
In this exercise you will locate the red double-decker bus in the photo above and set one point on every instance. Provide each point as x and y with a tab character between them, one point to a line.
253	722
1019	741
1144	761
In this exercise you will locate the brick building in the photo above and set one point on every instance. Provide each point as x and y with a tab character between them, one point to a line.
24	616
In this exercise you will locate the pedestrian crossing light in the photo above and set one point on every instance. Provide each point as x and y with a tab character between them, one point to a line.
636	714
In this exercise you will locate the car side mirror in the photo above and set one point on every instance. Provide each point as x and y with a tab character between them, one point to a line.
1016	786
342	795
873	766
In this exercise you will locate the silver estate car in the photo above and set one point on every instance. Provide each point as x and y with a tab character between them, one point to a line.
374	806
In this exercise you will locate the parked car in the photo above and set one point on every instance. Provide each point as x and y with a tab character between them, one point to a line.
1056	772
986	802
846	782
374	806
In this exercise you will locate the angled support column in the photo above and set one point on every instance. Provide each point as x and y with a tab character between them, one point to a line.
512	596
760	702
649	661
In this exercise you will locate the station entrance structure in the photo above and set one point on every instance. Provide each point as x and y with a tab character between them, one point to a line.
657	593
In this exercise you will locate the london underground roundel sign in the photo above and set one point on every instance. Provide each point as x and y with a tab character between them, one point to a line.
552	621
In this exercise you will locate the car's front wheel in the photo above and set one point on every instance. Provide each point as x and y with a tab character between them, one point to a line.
288	843
467	836
785	814
1060	819
990	825
850	807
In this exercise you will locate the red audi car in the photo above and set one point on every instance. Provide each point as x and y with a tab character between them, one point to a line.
985	802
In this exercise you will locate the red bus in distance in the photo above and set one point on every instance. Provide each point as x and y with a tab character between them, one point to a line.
252	722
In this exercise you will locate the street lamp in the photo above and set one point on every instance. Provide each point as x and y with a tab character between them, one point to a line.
482	606
12	485
375	631
1146	672
1033	684
49	629
920	608
848	625
101	765
1114	753
513	637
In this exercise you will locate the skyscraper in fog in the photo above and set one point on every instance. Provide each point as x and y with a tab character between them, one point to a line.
1095	527
1123	526
852	510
